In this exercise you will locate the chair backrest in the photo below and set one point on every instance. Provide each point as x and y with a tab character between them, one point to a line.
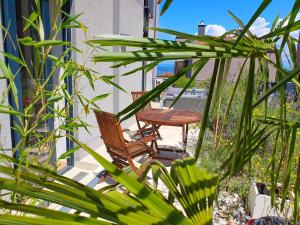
111	131
136	95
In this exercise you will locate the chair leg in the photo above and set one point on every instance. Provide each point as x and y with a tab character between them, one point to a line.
117	161
158	134
131	164
140	129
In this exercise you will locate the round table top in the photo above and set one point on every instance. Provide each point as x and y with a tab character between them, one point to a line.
171	117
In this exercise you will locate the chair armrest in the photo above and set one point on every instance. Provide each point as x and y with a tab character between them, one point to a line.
141	141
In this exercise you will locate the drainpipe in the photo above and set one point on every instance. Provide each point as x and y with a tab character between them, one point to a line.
116	71
145	35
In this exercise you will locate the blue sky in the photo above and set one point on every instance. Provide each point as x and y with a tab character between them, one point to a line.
185	15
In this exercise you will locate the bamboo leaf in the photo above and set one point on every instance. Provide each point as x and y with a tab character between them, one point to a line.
99	97
109	80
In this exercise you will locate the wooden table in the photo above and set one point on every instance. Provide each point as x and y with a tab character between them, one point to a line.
171	117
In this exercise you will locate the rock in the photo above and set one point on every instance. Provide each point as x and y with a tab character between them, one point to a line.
229	210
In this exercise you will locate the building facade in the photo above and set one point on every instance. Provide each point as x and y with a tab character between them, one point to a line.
130	18
207	70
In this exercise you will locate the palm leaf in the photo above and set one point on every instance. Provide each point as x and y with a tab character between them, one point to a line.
292	18
205	118
166	6
260	9
197	69
192	187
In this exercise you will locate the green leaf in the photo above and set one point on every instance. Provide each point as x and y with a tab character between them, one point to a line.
69	152
278	85
288	170
47	213
292	18
30	21
145	99
99	97
117	40
297	193
157	205
109	80
14	58
10	111
207	110
198	67
280	31
50	43
166	6
159	55
23	220
239	22
26	41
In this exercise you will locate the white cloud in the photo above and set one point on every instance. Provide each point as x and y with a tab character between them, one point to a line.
295	34
214	30
260	27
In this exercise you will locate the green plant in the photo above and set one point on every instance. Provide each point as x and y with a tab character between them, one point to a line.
28	185
252	133
193	188
47	100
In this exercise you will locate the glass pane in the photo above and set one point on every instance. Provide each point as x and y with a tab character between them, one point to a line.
38	153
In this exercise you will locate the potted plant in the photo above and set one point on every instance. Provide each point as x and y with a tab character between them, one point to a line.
259	202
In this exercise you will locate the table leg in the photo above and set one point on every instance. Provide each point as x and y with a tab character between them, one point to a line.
157	149
185	129
154	143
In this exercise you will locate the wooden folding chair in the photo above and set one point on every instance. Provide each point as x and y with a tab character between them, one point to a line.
121	151
146	127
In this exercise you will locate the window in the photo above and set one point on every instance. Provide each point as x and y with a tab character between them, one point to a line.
13	12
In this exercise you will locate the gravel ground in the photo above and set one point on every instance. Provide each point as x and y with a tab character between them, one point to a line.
229	210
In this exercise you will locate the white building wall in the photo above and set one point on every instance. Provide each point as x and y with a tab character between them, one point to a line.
234	69
131	23
97	17
153	22
5	131
100	17
107	17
